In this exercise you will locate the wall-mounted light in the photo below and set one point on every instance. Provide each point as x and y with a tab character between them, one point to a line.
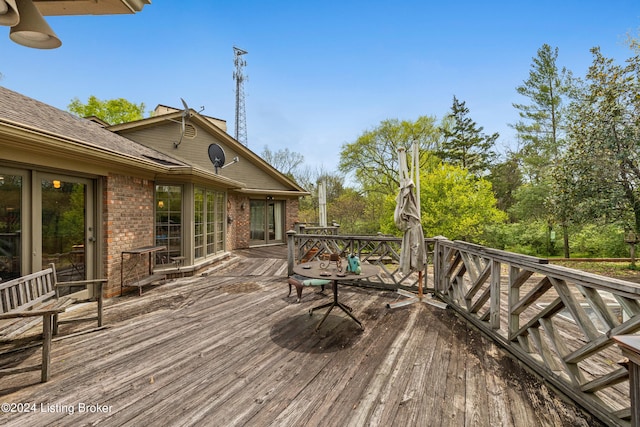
31	29
160	204
56	183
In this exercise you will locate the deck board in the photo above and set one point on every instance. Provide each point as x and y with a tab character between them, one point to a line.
230	348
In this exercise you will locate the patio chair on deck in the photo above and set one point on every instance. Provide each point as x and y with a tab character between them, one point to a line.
300	282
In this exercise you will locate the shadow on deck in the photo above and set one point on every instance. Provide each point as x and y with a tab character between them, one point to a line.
231	349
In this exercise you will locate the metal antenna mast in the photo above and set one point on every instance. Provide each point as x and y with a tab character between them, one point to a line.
239	77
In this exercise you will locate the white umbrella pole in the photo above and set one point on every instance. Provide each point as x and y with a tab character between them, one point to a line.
416	171
415	157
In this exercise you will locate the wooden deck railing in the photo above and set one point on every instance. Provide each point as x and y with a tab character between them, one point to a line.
559	321
383	251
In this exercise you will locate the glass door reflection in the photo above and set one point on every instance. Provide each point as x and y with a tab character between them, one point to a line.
64	227
10	226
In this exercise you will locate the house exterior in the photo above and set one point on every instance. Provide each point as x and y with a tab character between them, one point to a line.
78	193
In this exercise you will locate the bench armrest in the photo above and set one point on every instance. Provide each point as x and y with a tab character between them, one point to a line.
31	313
96	283
80	282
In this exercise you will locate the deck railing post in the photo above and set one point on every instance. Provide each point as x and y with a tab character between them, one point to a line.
630	346
291	250
438	266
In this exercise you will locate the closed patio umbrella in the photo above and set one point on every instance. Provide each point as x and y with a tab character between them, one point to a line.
407	219
413	255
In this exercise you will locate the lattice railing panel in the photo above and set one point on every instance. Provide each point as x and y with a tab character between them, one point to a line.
383	251
559	321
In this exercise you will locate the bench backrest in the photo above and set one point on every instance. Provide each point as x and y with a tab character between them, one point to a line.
24	292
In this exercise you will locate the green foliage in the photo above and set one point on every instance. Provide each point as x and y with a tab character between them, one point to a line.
604	241
542	118
373	157
309	206
533	238
602	158
529	202
112	111
454	204
359	214
530	238
463	143
505	178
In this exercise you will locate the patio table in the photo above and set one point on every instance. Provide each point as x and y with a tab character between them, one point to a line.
329	270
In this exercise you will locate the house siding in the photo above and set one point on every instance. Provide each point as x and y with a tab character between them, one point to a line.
194	151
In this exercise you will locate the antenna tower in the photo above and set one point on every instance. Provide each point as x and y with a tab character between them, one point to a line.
239	77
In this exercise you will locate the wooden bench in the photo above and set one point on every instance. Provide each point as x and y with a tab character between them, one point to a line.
137	255
38	294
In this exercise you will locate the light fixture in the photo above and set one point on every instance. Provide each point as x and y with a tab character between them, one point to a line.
32	30
9	13
160	204
56	183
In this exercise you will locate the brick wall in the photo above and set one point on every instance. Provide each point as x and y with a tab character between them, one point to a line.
128	224
292	214
239	230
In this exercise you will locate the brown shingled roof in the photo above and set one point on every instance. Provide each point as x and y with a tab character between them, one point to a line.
26	112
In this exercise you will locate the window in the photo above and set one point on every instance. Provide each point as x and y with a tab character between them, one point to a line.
199	213
169	221
209	204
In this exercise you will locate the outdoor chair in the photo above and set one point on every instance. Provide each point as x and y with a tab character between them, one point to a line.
300	282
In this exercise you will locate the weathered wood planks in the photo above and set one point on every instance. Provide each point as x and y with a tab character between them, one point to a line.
231	349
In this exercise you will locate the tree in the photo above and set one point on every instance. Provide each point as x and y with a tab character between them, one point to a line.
464	144
454	203
309	205
603	158
373	157
505	178
541	132
112	111
540	129
283	160
352	211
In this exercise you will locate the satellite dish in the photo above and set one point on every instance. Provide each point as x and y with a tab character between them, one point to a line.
186	114
216	155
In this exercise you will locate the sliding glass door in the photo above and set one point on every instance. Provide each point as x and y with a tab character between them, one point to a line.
46	218
267	222
11	205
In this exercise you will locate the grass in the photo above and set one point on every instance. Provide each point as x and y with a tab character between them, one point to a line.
618	270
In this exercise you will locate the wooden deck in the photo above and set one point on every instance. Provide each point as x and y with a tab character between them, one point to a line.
230	349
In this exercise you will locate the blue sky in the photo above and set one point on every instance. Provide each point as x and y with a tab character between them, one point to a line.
320	73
